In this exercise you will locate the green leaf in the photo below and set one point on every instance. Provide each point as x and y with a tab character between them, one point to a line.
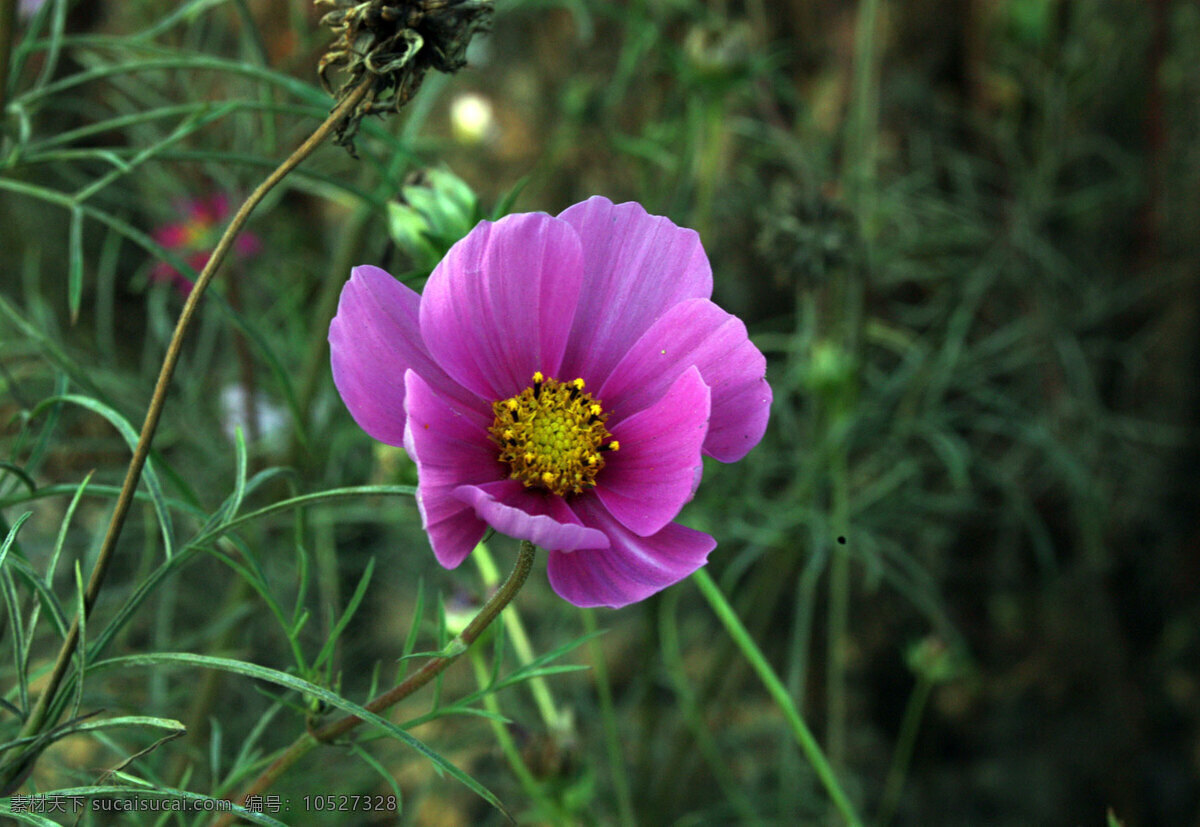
385	774
80	641
12	536
22	815
75	263
301	501
146	587
131	438
13	606
274	676
169	724
19	472
351	607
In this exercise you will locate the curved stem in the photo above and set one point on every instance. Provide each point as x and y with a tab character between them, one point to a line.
804	737
38	717
432	668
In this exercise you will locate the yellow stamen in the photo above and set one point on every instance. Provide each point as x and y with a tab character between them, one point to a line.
551	435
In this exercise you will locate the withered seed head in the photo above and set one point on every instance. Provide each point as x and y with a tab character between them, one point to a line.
395	43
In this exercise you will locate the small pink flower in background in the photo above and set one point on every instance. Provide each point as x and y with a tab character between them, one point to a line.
558	380
195	237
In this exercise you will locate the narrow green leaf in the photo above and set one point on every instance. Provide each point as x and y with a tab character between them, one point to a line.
360	592
414	628
62	529
239	480
46	597
384	773
81	641
169	724
19	472
75	263
23	815
301	501
13	606
274	676
12	536
147	586
131	438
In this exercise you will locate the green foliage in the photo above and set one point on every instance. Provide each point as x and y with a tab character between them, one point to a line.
954	255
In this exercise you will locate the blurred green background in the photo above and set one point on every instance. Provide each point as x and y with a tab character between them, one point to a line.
963	233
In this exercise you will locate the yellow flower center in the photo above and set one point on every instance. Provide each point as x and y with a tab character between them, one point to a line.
552	435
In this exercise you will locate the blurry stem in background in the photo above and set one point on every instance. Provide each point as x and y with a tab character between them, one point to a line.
708	162
432	668
839	615
316	363
37	718
8	33
608	718
894	785
693	715
542	697
862	126
532	786
804	737
858	179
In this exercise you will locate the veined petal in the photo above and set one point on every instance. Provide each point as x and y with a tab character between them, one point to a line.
373	340
451	448
499	305
635	267
656	470
632	568
541	518
697	332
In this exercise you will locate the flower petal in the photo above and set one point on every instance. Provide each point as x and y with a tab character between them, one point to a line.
656	470
697	332
450	446
632	568
541	518
636	266
373	340
499	305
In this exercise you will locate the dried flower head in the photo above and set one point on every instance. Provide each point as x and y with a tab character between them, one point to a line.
395	43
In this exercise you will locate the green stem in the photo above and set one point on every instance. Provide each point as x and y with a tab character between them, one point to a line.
37	718
608	718
839	617
432	668
775	688
529	782
907	739
538	685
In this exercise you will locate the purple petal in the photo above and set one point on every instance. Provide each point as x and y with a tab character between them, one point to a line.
658	466
449	443
373	340
697	332
636	266
632	568
499	305
542	518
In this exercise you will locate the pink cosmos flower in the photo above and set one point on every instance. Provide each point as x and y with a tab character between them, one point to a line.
558	380
195	237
